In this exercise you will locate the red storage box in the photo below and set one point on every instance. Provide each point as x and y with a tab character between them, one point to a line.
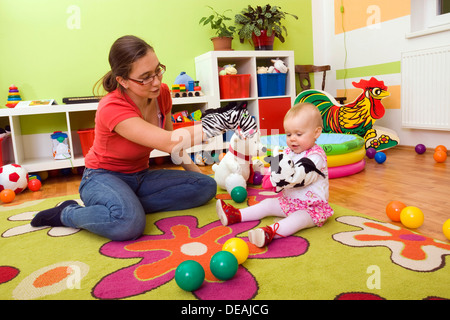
6	151
86	139
234	86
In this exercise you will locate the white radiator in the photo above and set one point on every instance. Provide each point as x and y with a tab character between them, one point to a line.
426	89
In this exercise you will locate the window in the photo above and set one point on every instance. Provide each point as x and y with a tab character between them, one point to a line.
429	16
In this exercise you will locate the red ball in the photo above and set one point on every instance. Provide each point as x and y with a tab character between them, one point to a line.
34	184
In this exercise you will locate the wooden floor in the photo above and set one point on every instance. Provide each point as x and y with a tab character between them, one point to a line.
416	180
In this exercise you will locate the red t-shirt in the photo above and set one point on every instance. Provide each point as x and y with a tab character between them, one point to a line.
111	151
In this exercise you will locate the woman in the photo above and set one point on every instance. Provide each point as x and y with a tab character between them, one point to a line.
134	118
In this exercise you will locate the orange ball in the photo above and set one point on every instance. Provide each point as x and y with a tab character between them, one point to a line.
440	156
440	148
7	195
393	210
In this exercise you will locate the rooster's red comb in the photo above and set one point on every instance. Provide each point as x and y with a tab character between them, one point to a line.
372	83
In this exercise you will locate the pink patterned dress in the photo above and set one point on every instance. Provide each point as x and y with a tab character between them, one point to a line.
313	197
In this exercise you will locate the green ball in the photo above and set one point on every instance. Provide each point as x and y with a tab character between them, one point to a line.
239	194
189	275
223	265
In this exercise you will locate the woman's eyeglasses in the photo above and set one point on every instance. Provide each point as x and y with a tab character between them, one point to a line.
149	79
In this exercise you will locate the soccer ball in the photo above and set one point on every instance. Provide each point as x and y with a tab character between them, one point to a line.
14	177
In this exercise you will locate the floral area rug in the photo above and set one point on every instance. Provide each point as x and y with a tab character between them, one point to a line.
351	257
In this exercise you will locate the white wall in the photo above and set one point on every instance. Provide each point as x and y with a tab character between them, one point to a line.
371	45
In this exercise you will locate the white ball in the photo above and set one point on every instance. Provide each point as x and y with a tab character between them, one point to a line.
14	177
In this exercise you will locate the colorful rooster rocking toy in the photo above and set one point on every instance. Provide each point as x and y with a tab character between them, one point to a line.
357	117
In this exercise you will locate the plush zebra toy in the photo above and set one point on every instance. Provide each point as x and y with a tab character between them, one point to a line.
233	116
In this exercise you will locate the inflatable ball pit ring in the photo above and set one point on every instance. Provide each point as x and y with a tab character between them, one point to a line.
352	143
347	170
346	158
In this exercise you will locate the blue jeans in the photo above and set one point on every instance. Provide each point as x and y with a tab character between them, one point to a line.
116	203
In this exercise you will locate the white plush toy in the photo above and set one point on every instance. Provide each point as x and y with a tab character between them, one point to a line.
278	67
236	166
285	174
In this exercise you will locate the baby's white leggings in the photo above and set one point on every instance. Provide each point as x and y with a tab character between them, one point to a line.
296	221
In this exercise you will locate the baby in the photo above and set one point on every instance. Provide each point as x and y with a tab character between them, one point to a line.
300	173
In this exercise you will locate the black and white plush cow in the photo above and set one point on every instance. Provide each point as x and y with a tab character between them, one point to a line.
286	174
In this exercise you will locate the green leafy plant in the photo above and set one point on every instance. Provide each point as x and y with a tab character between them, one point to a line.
253	20
218	23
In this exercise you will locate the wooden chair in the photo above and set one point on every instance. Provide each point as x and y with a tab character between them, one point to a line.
303	72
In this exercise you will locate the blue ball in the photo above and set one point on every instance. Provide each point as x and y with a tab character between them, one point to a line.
380	157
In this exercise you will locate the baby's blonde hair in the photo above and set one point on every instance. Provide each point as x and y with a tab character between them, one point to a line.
306	107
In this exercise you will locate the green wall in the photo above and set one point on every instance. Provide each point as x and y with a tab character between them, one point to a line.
49	54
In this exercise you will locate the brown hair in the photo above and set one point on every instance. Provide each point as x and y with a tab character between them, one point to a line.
307	107
122	54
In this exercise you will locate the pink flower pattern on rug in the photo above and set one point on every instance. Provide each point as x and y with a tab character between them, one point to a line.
182	239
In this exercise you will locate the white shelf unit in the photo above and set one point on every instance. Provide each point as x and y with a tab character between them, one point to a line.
34	151
246	62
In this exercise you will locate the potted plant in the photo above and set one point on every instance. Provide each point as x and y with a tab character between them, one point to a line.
262	25
224	33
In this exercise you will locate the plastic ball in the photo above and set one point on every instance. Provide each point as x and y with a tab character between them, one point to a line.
221	156
238	248
257	178
411	217
223	265
7	195
239	194
446	229
420	148
380	157
34	184
440	148
370	153
43	175
393	210
189	275
440	156
14	177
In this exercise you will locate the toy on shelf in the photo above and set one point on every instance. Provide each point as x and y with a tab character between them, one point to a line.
228	69
357	117
272	79
236	168
184	119
233	85
277	67
184	86
60	148
13	96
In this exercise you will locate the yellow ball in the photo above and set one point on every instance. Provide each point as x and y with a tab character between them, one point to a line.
238	248
446	229
411	217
